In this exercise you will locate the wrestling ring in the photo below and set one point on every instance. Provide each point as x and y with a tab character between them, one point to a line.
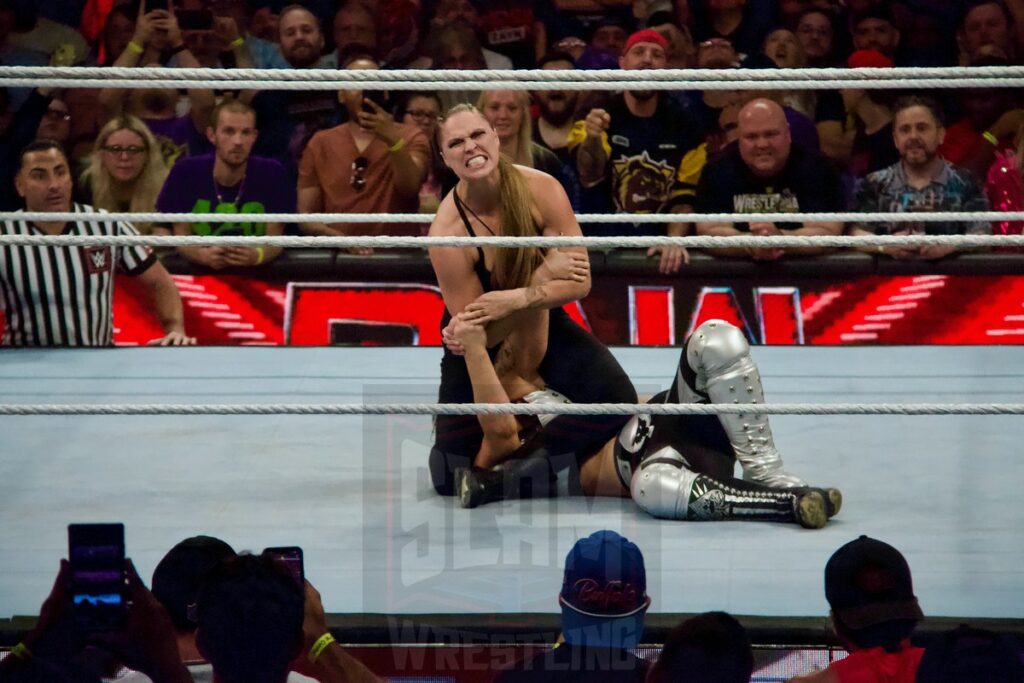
326	448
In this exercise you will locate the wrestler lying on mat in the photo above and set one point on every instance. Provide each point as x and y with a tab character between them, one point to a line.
673	466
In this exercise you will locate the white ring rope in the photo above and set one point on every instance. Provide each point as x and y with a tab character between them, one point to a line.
796	217
642	242
515	409
342	84
486	76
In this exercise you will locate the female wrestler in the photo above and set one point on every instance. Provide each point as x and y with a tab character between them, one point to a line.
504	288
676	467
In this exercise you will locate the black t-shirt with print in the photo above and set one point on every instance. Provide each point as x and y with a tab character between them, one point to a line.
807	184
653	164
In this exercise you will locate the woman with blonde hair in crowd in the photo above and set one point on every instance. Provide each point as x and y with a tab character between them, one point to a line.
508	111
127	170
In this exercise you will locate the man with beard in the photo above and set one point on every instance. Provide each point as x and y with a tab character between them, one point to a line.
158	39
555	122
921	181
644	149
228	181
764	172
288	119
370	164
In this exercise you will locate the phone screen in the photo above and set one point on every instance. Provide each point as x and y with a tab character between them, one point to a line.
97	562
291	556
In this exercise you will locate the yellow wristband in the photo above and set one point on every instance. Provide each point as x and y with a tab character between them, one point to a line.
21	651
398	145
237	42
135	47
320	645
260	255
991	138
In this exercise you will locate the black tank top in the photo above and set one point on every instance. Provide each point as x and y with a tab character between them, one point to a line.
480	267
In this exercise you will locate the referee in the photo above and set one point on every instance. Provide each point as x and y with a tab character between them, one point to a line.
63	296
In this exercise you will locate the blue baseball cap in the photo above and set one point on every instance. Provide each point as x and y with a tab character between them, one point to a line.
604	592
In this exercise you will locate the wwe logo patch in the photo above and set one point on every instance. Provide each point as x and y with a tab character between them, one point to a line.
98	259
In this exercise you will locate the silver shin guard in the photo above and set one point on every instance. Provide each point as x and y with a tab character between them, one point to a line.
663	487
719	355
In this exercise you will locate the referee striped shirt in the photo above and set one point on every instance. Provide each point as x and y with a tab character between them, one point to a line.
63	296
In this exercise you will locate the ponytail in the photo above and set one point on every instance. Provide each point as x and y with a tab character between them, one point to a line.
513	267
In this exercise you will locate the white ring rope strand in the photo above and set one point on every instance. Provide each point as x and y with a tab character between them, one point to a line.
486	76
397	242
805	217
475	86
515	409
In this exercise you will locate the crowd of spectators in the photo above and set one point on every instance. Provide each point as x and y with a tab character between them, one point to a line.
642	151
211	614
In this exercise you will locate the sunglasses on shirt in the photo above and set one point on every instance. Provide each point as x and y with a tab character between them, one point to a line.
359	167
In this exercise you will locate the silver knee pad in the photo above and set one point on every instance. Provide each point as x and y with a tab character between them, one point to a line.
662	484
630	445
719	355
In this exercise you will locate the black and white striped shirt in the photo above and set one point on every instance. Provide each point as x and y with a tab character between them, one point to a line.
63	296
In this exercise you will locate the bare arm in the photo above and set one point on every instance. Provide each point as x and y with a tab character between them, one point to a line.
592	157
202	100
163	294
501	432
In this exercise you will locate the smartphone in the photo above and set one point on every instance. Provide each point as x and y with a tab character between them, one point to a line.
151	5
291	556
98	576
378	97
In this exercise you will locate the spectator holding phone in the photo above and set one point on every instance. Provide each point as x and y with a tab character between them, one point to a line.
145	643
371	164
157	40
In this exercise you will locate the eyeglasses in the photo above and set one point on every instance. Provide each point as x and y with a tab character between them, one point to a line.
130	151
422	114
58	114
359	167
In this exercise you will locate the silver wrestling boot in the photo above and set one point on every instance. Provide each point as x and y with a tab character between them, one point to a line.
719	355
665	487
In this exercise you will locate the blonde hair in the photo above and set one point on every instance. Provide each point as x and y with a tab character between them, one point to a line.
513	267
524	141
146	186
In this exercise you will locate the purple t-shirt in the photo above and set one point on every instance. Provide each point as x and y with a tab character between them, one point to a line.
190	189
178	138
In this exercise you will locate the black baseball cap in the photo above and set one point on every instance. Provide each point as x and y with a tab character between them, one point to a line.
867	582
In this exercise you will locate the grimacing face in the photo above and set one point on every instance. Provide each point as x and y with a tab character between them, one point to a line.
469	145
